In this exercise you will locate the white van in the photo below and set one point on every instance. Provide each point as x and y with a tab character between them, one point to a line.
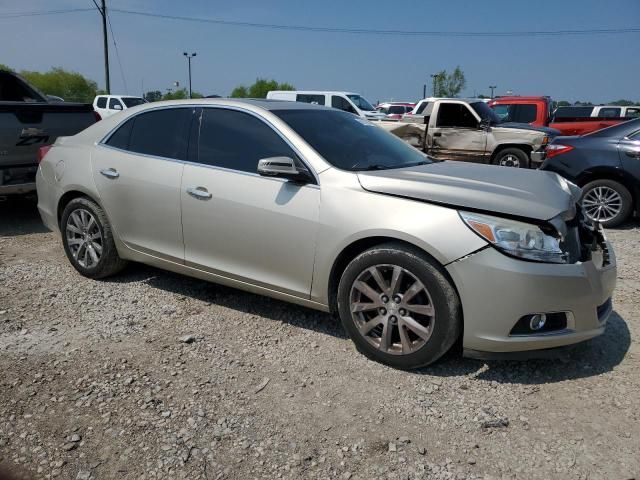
347	101
107	105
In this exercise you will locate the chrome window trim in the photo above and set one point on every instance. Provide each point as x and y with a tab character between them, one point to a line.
301	157
196	164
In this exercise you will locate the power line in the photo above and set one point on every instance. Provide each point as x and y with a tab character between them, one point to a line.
44	12
362	31
113	37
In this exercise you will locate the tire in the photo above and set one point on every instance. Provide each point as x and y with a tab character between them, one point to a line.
83	238
436	309
512	157
615	198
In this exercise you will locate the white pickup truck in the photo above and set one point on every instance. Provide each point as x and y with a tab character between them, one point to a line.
469	130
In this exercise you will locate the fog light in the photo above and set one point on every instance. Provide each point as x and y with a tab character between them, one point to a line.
537	321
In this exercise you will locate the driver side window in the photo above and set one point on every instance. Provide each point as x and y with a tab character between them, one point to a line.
341	104
455	115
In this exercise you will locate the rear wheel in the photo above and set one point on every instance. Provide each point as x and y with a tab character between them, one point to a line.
607	202
88	240
398	307
512	157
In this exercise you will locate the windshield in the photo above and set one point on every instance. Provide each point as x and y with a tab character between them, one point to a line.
349	142
132	101
361	103
486	113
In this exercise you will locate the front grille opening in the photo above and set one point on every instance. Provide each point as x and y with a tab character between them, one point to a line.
554	322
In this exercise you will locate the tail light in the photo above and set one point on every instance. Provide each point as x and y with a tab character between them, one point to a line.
42	151
556	149
97	116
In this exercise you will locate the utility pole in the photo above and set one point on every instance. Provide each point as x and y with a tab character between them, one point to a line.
492	87
189	57
434	76
103	12
424	91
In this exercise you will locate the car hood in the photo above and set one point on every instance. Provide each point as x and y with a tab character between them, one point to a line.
531	194
525	126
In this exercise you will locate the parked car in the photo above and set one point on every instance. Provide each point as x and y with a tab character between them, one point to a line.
395	110
107	105
28	121
606	164
600	111
253	195
468	130
347	101
537	111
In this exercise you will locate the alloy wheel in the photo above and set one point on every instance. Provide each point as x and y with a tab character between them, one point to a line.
510	160
392	309
602	203
84	238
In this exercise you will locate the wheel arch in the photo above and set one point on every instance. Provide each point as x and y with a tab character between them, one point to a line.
69	195
356	247
527	149
616	175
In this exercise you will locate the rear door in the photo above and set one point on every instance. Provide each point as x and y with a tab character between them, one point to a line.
455	135
239	224
137	171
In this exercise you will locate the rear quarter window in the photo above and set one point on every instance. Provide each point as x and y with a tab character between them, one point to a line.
102	102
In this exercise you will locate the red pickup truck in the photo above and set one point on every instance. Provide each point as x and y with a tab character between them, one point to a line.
537	111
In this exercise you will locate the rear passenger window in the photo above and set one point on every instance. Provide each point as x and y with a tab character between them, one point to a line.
308	98
525	113
102	102
162	133
120	138
236	140
609	112
113	102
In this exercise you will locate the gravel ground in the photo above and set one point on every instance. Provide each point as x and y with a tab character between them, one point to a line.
154	375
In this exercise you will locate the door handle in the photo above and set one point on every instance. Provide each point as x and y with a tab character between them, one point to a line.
200	193
110	172
437	134
632	152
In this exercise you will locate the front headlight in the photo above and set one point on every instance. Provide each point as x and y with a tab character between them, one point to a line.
519	239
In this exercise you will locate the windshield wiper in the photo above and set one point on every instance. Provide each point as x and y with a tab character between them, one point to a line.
375	166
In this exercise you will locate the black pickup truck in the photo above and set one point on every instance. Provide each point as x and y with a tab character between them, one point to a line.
27	122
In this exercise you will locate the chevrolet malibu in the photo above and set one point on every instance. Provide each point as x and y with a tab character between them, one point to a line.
318	207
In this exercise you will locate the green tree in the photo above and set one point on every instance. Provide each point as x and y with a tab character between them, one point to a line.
5	67
180	94
259	89
450	84
623	103
240	92
153	96
563	103
72	86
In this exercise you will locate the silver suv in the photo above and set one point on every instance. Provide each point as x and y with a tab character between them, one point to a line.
318	207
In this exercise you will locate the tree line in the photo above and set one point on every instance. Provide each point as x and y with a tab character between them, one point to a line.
75	87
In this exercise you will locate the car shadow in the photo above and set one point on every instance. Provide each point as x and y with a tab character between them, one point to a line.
586	359
19	216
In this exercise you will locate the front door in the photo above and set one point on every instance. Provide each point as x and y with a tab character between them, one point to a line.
455	134
239	224
137	172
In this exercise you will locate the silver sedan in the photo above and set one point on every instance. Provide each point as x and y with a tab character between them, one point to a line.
318	207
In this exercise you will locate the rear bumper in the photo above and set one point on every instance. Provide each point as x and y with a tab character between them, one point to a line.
17	188
496	291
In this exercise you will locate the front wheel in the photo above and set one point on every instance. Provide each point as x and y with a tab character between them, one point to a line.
512	157
398	307
607	202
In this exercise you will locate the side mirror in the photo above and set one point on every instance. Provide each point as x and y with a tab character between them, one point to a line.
117	106
484	124
282	167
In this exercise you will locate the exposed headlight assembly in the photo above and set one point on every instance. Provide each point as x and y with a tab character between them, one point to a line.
518	239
